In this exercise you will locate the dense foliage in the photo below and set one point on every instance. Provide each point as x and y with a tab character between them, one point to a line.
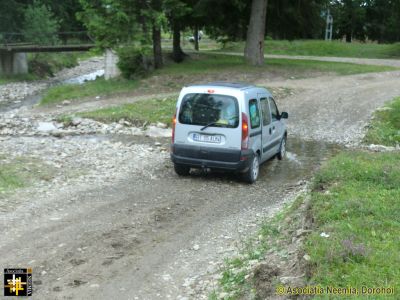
140	23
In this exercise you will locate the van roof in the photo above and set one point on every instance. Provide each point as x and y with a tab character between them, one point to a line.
234	85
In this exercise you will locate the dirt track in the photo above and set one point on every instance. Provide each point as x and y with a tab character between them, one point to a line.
143	233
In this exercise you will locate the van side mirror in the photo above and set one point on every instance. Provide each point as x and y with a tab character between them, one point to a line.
284	115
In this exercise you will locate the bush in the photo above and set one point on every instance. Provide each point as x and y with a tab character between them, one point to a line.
46	64
40	26
134	62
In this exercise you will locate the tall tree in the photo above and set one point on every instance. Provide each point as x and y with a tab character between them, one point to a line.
349	16
177	12
40	26
383	20
157	21
254	50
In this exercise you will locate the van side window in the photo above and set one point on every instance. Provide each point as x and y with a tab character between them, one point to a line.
266	112
274	110
254	113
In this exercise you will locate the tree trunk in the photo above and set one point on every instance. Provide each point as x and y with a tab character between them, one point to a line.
177	53
348	36
196	38
254	50
157	50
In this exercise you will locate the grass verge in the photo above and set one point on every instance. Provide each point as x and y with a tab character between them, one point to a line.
17	78
94	88
322	48
353	200
145	111
21	172
218	63
385	126
207	64
353	218
246	276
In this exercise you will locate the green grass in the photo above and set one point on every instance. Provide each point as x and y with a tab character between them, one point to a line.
99	87
145	111
21	172
356	201
214	63
272	236
206	64
385	127
322	48
17	78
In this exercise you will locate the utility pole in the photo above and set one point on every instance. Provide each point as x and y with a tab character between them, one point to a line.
329	26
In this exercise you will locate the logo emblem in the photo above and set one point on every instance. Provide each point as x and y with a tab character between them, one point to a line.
18	282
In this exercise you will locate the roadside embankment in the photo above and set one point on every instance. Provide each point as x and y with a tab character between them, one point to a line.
340	236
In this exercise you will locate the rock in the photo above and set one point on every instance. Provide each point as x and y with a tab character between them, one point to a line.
385	108
289	279
76	121
307	257
66	102
324	235
157	144
161	125
301	232
46	126
56	133
380	148
196	247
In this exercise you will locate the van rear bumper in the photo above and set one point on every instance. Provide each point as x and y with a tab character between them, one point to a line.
213	158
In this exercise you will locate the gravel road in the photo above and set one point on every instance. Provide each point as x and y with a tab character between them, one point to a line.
117	223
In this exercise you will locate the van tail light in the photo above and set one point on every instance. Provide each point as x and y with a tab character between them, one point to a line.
173	127
245	132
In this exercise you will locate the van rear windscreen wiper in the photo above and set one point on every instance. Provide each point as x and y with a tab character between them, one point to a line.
211	124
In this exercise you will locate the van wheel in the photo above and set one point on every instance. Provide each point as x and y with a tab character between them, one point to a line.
282	149
181	170
251	175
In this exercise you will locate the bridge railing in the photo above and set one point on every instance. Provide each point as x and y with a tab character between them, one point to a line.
57	39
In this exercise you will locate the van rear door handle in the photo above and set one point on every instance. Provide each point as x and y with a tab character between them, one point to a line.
270	130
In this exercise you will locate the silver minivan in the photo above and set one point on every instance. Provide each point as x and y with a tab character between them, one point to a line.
227	126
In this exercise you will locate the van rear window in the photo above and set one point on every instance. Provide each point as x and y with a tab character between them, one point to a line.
209	109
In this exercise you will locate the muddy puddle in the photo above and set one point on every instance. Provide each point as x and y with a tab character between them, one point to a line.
302	159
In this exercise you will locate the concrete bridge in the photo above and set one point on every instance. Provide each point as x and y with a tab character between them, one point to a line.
13	49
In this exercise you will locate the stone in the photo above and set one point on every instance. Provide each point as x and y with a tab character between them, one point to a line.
196	247
66	102
76	121
46	126
324	235
161	125
380	148
301	232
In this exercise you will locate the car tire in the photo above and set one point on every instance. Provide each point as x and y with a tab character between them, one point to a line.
251	175
282	149
181	170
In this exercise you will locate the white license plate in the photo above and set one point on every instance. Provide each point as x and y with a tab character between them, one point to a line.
216	139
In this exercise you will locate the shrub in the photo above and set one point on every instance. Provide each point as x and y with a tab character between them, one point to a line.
134	61
46	64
